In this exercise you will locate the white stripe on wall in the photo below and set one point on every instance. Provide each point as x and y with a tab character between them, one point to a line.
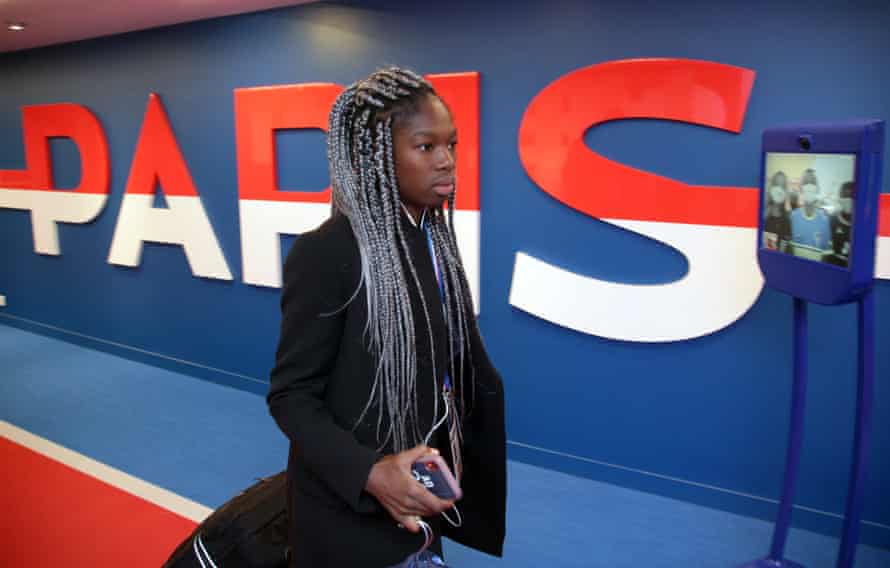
114	477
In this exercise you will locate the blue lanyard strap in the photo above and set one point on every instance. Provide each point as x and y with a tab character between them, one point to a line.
429	244
435	261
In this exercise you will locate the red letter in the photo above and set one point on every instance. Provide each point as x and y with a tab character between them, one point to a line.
184	222
32	188
267	212
723	279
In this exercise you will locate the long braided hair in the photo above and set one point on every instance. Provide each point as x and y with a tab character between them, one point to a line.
366	192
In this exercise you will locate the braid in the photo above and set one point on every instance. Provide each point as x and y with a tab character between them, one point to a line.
366	192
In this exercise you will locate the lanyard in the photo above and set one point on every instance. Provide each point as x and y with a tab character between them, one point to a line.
429	243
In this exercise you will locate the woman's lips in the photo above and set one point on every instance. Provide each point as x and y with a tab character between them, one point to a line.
443	189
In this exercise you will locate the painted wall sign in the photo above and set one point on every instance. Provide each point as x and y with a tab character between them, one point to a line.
713	227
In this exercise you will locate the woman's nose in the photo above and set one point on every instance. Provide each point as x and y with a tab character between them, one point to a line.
444	159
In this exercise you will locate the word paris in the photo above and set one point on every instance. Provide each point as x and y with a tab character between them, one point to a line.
712	226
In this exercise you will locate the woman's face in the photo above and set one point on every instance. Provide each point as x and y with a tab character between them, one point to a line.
424	154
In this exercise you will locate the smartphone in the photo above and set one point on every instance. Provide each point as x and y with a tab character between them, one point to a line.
432	472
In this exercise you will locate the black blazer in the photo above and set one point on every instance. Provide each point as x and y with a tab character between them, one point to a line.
320	385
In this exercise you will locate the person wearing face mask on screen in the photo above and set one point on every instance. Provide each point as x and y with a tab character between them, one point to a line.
776	224
840	227
810	226
807	177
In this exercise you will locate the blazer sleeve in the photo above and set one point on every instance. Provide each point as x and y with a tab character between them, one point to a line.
307	352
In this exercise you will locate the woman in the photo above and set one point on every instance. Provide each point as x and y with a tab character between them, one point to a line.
380	361
777	223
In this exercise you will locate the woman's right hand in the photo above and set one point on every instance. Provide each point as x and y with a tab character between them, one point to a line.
391	483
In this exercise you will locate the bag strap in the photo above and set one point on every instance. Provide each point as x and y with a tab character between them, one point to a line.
201	552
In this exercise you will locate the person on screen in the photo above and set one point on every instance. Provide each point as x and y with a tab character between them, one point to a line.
380	360
777	223
808	177
810	226
841	223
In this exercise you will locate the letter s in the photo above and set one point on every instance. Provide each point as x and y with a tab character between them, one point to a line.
713	227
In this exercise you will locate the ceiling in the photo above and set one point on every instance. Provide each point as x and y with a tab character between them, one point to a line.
49	22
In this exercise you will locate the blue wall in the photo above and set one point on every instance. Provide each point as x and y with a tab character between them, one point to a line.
703	420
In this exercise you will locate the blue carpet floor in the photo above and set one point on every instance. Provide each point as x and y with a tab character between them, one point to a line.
206	442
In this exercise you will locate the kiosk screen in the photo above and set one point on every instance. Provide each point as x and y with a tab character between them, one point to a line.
808	205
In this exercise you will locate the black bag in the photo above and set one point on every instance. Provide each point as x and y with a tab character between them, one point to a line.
249	531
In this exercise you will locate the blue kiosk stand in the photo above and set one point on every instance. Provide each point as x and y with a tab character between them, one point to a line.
816	242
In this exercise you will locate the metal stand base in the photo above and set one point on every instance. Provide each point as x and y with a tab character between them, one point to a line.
770	563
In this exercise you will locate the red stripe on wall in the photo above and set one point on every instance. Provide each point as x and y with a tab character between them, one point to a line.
884	215
54	516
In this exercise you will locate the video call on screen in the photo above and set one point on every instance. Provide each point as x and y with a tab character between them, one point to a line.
808	205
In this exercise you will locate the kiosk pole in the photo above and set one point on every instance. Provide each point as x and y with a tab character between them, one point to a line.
864	396
795	435
792	453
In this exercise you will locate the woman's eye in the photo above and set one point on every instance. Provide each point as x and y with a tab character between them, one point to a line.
452	145
425	147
